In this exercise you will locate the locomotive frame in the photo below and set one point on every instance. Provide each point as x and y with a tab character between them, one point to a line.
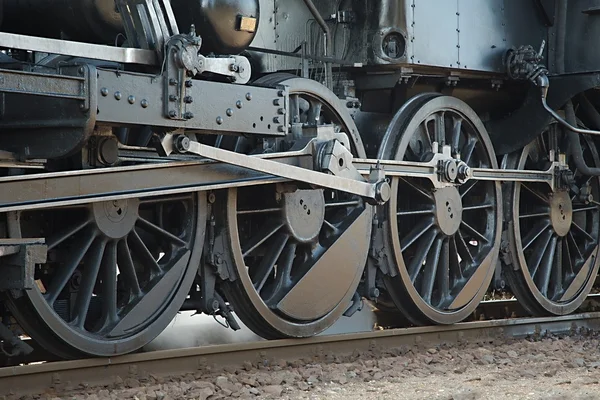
173	169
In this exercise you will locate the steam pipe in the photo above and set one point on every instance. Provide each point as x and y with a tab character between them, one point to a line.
576	150
328	40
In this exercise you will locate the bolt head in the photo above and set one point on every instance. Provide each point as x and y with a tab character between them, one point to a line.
239	104
104	92
249	96
131	99
144	103
118	95
219	120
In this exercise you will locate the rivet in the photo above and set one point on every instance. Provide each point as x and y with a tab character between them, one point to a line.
188	99
229	112
172	113
248	96
281	128
173	82
104	91
281	111
281	93
118	95
144	103
81	70
131	99
188	115
276	102
172	97
239	104
189	84
276	120
219	120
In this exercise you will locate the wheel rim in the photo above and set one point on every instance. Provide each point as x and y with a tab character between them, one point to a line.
287	244
554	236
444	242
80	307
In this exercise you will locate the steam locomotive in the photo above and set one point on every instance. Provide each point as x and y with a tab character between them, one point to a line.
280	161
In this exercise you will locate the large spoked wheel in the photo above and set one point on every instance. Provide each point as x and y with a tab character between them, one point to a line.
298	253
553	236
443	241
117	272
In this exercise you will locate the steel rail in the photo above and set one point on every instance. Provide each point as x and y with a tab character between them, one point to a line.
34	379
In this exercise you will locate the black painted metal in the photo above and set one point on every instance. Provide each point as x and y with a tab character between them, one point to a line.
553	236
442	244
285	243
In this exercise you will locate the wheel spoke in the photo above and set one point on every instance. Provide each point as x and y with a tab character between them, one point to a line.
127	268
582	231
90	274
542	274
456	271
478	207
421	253
260	211
417	188
474	232
142	251
63	275
538	251
534	192
545	214
416	233
265	232
568	257
591	208
63	235
574	243
430	271
440	128
534	233
109	286
456	134
160	232
463	248
466	188
415	212
556	278
467	152
443	273
267	264
284	272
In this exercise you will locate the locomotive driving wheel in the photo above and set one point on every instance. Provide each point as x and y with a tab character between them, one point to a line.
553	235
298	253
443	241
117	272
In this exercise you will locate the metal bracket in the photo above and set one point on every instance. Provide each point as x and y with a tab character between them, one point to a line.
17	262
183	61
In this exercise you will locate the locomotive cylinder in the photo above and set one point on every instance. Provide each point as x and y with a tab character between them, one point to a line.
226	26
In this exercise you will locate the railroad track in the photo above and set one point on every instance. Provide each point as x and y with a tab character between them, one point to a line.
39	378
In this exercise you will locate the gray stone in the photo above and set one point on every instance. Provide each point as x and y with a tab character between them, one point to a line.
273	390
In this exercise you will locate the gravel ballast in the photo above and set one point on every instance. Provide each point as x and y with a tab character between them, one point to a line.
550	368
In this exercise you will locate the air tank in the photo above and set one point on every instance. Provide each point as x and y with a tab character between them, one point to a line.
226	26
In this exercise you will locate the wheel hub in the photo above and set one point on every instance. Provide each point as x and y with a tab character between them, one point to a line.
448	210
561	213
116	218
304	213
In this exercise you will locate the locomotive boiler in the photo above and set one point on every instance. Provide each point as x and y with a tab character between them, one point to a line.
280	161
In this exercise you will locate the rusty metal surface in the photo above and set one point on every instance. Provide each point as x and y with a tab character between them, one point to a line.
31	379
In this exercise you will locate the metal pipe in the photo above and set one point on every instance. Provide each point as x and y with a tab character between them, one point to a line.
328	45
